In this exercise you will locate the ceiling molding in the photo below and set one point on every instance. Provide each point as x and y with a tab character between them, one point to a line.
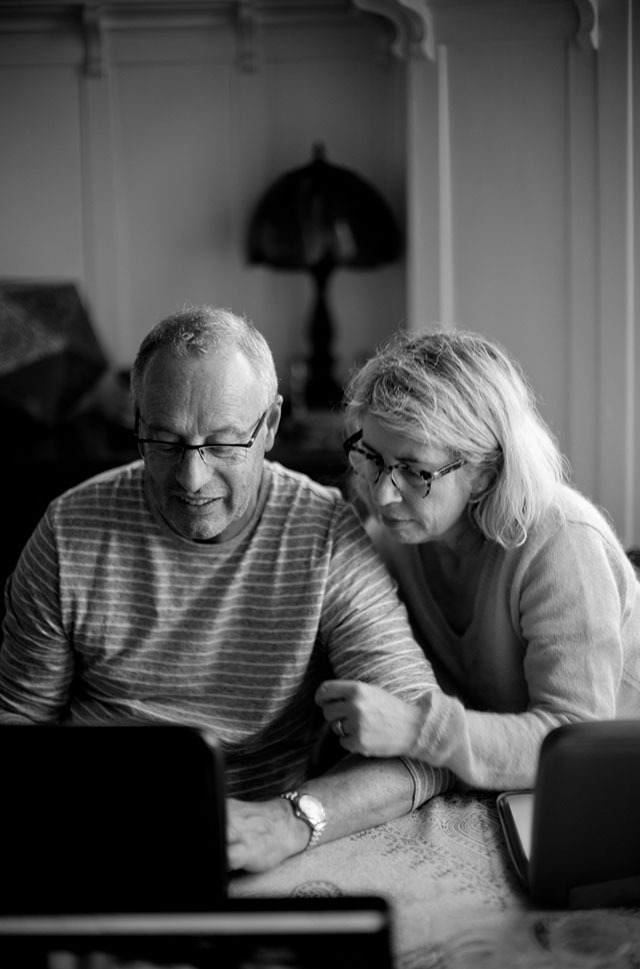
411	24
587	35
420	25
93	37
92	19
31	12
417	27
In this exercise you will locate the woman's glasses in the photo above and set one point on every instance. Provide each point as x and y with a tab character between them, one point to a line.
410	481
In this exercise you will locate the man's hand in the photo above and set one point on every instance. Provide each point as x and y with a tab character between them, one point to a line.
261	834
368	720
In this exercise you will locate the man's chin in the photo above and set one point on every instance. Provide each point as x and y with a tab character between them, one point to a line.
198	524
216	520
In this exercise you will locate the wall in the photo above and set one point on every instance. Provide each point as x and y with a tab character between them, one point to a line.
135	174
504	135
522	162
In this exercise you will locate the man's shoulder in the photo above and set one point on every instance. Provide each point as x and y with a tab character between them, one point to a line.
299	499
287	483
100	489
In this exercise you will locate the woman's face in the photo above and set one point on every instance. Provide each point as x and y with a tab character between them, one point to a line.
410	518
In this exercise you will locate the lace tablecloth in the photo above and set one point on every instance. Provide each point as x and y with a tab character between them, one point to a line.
446	873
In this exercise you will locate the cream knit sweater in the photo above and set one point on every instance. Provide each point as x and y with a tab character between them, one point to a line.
554	637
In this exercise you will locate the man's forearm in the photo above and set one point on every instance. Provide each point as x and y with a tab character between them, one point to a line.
359	793
356	793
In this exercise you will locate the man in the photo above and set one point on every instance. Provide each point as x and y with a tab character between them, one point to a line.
205	585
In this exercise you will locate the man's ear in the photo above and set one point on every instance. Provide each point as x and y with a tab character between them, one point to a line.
273	422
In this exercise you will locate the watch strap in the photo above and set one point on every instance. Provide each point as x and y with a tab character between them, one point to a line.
317	826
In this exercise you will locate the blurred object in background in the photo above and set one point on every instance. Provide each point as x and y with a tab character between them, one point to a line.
317	219
64	411
49	355
111	398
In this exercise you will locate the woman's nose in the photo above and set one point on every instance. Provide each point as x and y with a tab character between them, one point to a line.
384	491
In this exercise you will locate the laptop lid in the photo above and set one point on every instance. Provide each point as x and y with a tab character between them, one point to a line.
292	933
584	836
124	818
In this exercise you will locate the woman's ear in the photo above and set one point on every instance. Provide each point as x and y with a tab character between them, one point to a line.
483	481
273	422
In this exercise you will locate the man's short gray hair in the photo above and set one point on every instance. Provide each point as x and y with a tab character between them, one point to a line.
199	331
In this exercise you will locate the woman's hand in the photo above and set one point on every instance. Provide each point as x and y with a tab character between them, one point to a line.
368	720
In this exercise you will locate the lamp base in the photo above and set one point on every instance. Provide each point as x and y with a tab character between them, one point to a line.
322	389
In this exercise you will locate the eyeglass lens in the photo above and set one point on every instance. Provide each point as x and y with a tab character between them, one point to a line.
210	454
370	466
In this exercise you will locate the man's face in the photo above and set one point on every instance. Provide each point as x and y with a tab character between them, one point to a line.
205	400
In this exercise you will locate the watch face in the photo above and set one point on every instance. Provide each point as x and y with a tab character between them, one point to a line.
311	807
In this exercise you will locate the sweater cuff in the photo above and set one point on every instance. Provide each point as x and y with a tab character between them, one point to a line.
428	781
443	739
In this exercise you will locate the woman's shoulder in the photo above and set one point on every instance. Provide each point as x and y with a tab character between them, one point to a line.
572	526
571	508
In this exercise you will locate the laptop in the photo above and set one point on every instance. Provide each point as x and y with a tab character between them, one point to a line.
123	818
276	933
575	840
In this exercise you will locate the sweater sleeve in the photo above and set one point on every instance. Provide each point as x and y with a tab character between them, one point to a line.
364	624
369	638
569	600
36	659
428	781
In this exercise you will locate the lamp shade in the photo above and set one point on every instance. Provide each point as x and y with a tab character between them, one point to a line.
319	218
321	214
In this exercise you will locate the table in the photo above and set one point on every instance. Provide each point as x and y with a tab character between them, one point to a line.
446	873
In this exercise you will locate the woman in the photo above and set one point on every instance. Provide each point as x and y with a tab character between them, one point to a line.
518	590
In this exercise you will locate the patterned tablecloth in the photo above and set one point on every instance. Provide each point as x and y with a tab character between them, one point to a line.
446	873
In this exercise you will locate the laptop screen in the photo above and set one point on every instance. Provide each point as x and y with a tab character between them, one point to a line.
521	805
111	819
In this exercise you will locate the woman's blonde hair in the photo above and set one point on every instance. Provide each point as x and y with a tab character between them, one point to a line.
462	393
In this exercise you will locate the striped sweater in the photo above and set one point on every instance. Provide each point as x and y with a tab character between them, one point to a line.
111	615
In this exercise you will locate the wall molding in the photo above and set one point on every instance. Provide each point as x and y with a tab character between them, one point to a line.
418	28
411	23
421	26
91	20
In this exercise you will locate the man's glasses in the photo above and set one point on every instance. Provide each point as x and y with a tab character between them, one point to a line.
171	452
410	481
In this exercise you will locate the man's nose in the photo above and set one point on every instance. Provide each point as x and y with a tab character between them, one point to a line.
191	471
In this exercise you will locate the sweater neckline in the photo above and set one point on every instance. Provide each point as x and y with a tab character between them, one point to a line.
479	600
214	548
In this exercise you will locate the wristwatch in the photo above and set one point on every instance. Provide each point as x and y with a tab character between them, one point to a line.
309	809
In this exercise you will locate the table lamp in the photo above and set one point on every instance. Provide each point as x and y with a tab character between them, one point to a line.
319	218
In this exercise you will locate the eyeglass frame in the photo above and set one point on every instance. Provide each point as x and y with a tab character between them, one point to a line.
427	476
195	447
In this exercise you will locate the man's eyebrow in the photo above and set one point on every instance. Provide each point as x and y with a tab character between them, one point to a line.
228	430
